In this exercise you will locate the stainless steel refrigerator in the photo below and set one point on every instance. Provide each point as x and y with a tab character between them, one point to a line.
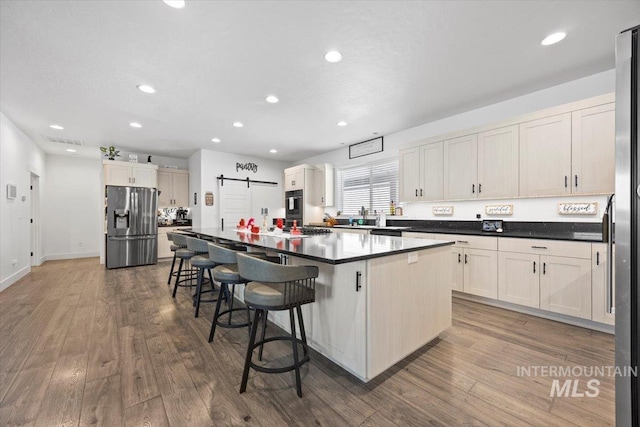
627	215
132	226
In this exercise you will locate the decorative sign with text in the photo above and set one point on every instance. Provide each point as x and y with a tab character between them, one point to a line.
578	208
498	209
247	167
442	210
208	198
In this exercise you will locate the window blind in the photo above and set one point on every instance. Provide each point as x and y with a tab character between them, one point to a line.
372	185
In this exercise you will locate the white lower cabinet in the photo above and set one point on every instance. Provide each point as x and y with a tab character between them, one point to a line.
519	278
565	286
481	272
457	269
600	312
164	244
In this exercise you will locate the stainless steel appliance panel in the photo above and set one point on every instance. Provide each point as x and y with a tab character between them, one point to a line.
119	211
627	218
146	207
125	251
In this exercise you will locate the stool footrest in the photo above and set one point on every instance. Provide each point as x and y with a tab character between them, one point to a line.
282	369
231	325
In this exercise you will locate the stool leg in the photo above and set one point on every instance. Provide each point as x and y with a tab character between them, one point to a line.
199	289
303	334
211	279
233	292
175	288
264	332
294	344
247	360
173	264
223	287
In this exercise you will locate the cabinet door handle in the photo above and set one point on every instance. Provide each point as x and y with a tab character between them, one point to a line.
534	267
473	188
544	268
576	180
465	258
416	192
462	241
479	188
322	199
459	259
358	285
598	258
129	180
539	247
565	181
421	192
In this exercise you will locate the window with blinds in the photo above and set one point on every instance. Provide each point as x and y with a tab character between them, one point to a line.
373	186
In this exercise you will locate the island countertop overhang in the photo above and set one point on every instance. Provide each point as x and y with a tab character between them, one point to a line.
334	248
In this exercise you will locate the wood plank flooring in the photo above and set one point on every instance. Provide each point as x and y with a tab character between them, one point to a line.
81	345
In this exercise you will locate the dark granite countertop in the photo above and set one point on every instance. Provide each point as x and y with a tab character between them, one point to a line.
333	248
573	231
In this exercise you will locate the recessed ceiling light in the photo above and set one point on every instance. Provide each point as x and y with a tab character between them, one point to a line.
135	125
71	150
146	89
57	127
216	140
273	150
333	56
272	99
176	4
238	124
341	123
553	38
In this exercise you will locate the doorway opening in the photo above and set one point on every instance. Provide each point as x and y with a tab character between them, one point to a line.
34	226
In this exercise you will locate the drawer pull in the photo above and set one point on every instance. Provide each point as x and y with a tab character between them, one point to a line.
544	268
465	258
539	247
459	260
598	258
462	241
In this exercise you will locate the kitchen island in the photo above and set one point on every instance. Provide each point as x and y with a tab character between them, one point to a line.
378	298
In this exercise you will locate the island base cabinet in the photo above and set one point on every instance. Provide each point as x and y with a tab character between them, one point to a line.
565	286
409	304
519	278
336	322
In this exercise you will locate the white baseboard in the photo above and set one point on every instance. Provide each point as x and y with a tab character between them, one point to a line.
14	277
584	323
53	257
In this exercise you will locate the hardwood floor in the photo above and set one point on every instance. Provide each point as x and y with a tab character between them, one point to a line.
81	345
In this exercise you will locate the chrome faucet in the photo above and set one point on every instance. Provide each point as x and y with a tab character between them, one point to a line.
363	213
377	215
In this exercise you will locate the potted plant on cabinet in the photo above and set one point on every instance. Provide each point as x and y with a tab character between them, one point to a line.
110	152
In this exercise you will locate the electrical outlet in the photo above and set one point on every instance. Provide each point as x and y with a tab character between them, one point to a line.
478	216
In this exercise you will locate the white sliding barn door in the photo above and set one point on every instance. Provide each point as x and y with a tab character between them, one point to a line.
235	203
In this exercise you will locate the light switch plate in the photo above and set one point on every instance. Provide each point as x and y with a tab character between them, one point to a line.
412	258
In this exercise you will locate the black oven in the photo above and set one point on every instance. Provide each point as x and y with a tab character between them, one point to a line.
293	205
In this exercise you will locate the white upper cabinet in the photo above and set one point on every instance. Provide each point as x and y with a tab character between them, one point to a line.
431	172
174	187
410	174
324	181
593	150
498	163
130	174
461	168
294	178
545	156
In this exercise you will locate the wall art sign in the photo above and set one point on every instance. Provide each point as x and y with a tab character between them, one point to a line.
208	198
498	209
578	208
442	210
247	167
365	148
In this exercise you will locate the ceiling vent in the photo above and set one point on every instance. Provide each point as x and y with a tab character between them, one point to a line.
65	141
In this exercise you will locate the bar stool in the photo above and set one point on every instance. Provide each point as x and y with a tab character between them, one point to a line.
174	248
185	255
276	287
201	262
226	273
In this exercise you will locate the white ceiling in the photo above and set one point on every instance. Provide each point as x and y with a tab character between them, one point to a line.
77	63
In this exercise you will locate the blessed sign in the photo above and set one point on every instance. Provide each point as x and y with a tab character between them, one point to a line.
578	208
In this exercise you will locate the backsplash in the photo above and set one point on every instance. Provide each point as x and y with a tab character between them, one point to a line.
167	216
